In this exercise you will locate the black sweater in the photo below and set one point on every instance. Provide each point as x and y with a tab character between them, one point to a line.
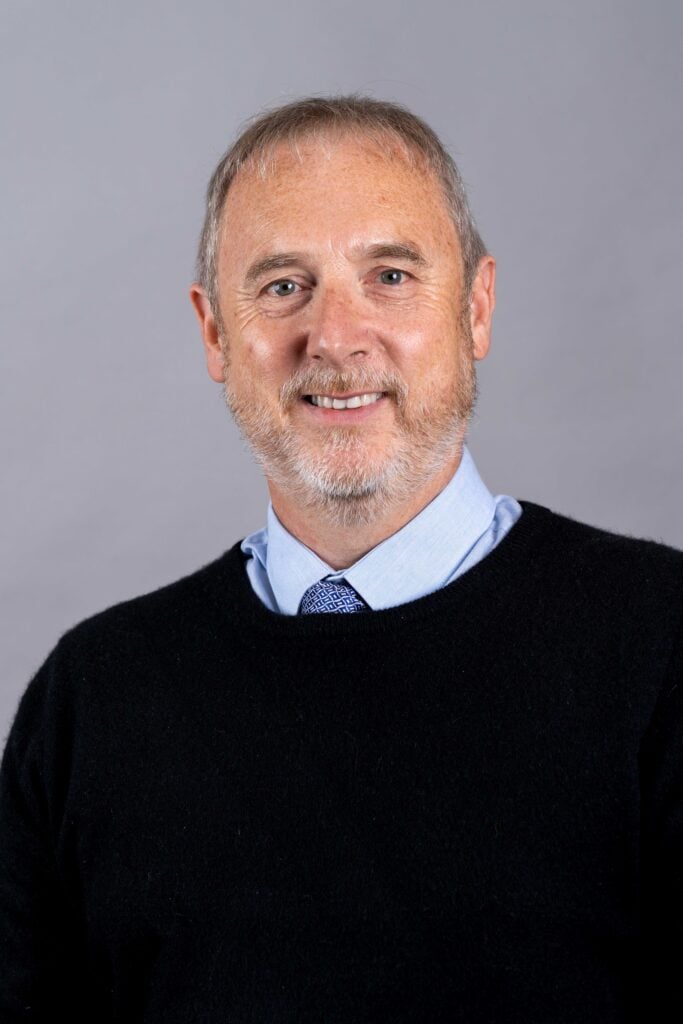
466	808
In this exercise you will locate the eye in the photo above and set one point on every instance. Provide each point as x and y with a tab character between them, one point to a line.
392	276
282	288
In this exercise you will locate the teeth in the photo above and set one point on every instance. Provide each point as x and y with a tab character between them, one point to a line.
325	402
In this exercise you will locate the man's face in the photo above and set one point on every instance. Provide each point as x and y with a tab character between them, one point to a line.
340	281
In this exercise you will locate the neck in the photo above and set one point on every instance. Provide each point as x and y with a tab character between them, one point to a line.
341	540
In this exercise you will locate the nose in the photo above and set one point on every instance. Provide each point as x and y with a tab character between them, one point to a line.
338	329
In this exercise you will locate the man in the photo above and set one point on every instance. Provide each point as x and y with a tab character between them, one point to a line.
413	752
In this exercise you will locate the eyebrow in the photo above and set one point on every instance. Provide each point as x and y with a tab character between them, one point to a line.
396	251
380	251
276	261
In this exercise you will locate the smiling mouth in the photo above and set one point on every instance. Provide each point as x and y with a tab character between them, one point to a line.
351	402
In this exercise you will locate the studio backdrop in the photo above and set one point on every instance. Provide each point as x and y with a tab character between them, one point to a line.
121	469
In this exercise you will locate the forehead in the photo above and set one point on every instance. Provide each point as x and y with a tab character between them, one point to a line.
337	192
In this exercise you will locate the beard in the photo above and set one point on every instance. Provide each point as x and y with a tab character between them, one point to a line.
339	472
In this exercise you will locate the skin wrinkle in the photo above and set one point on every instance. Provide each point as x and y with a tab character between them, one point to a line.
388	129
350	213
405	251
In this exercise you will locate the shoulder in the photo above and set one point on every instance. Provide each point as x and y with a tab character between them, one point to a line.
106	664
174	610
612	572
143	630
600	546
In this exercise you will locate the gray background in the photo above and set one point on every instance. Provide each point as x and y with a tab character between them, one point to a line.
121	469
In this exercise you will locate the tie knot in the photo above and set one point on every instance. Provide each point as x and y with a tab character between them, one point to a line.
331	596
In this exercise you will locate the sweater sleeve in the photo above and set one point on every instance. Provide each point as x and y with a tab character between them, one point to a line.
38	945
662	851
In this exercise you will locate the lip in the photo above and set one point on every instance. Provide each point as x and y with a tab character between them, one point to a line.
333	417
343	394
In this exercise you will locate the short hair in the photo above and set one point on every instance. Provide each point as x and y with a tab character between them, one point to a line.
301	119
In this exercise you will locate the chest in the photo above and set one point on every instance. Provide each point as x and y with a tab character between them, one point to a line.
425	783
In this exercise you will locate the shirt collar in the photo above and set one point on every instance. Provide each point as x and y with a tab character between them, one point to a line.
415	561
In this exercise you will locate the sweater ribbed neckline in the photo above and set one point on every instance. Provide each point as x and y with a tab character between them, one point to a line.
232	593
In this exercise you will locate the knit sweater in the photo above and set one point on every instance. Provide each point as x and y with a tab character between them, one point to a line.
467	808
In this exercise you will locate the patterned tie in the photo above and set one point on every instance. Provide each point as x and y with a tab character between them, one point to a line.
331	596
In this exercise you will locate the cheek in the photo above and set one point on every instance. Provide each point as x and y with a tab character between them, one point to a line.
263	353
259	368
427	347
265	345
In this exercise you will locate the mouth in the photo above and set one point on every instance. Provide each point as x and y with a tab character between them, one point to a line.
349	401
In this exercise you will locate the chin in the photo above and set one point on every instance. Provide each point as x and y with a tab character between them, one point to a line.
352	491
347	475
346	467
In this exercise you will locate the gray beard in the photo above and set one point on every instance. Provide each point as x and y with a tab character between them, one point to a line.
360	489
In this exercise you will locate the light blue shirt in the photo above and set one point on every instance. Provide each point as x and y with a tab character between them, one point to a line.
455	531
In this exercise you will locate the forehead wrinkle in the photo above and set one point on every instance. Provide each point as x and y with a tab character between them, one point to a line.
260	208
324	140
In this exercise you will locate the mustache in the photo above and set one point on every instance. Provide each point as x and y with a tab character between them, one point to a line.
314	380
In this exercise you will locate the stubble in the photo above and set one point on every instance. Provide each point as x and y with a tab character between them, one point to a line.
340	475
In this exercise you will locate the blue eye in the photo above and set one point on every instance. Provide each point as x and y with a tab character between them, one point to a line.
283	288
392	276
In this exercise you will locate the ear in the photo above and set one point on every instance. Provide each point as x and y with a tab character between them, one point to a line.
215	361
482	304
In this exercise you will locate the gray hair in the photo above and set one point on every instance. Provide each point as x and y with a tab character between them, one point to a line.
313	115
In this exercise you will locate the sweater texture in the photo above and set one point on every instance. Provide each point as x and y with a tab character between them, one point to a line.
468	808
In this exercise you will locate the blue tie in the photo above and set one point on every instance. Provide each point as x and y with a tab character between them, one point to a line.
331	596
